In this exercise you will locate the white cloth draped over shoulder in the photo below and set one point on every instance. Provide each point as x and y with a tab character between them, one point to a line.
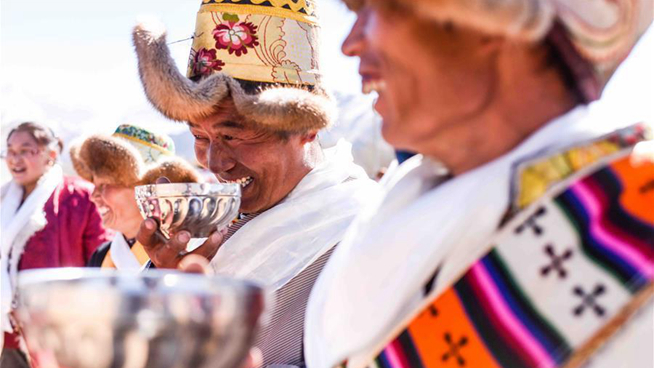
395	246
122	256
282	241
18	224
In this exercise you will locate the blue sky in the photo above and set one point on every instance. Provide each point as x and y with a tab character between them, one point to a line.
75	58
70	64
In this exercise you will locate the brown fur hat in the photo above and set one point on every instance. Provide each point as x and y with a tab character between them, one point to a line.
281	109
117	160
601	33
174	169
108	157
80	167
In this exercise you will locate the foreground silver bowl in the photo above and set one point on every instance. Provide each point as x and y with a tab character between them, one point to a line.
197	208
91	318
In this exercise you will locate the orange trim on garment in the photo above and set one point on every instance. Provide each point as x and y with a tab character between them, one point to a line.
446	316
138	251
637	178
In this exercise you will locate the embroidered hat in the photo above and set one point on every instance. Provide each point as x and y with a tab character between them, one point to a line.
262	43
272	42
600	32
130	156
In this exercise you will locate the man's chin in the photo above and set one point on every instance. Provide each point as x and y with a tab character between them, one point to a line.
248	207
253	205
391	135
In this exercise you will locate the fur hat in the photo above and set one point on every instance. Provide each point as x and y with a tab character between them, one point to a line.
599	32
131	156
270	42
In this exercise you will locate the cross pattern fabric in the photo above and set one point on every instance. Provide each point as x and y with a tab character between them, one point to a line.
557	275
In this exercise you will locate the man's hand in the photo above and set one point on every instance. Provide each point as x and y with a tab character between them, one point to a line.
168	253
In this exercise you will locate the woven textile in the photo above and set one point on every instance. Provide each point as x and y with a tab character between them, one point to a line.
560	278
280	340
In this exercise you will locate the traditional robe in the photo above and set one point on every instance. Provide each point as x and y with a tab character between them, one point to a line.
66	236
285	247
414	245
120	253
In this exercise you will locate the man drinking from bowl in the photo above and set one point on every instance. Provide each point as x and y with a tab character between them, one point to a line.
254	103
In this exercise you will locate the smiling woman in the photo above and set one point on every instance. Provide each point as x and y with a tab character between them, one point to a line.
116	164
48	220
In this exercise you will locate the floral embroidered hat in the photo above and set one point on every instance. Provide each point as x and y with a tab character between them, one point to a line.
272	44
597	33
130	156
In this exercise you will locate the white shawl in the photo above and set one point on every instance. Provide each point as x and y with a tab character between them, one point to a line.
122	256
278	244
394	247
19	223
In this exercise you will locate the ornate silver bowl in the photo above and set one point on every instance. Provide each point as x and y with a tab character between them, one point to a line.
197	208
91	318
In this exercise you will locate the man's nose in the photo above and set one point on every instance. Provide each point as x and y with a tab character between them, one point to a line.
353	43
219	159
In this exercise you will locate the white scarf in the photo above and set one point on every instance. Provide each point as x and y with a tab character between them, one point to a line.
278	244
19	223
122	256
394	246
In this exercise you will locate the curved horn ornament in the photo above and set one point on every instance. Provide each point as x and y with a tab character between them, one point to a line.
176	96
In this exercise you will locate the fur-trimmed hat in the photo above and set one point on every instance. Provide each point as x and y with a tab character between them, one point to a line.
599	32
131	156
274	42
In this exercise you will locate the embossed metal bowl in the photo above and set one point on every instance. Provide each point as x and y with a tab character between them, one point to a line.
91	318
197	208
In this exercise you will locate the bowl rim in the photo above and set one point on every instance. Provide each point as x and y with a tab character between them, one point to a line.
45	276
188	189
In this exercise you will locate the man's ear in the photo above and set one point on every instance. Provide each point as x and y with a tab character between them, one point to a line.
309	136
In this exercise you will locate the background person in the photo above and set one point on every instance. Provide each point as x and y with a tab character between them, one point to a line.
521	234
255	104
48	219
115	164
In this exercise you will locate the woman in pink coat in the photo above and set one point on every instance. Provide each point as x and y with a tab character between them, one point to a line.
47	220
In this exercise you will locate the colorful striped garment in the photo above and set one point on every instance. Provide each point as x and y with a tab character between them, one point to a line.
562	276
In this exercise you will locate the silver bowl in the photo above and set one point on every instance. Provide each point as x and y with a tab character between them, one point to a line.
91	318
197	208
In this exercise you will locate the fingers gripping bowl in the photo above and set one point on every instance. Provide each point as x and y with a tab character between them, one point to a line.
197	208
91	318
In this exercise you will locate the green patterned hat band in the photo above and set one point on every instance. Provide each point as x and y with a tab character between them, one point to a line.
151	146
